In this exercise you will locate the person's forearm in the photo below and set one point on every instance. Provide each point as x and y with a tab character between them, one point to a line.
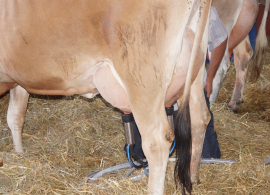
216	57
262	2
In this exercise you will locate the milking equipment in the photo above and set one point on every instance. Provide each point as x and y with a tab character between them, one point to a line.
128	120
169	113
134	161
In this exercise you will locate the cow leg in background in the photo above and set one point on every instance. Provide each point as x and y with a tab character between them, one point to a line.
239	32
242	54
16	115
239	42
200	118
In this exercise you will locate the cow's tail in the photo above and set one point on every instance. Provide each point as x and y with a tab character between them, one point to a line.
260	48
183	139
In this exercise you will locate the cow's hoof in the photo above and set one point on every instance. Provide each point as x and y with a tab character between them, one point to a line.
240	102
1	162
233	108
18	151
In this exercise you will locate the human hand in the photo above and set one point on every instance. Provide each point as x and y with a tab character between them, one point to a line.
208	87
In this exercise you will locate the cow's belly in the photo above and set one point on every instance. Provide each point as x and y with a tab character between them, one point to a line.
5	78
52	68
69	76
54	79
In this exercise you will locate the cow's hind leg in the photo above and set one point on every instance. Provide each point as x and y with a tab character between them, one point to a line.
200	118
242	54
149	113
157	138
156	133
15	116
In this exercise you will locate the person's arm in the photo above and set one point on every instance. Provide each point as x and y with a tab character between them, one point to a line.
262	2
216	57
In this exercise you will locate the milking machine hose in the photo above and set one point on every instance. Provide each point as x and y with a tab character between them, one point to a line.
93	176
211	161
267	161
136	164
172	147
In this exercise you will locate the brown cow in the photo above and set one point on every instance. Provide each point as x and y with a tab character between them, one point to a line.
239	17
128	51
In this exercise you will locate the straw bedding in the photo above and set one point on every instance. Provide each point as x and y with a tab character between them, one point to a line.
66	138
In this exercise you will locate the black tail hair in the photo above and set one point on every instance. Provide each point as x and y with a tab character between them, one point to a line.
183	147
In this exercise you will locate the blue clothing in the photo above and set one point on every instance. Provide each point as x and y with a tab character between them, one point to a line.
210	144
